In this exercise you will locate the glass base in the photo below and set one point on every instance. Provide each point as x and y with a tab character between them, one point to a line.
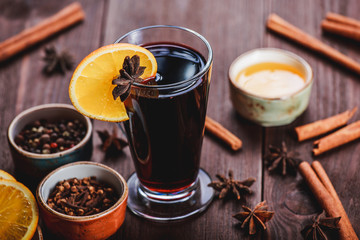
163	207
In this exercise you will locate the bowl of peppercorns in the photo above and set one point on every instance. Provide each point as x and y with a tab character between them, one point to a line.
47	136
82	200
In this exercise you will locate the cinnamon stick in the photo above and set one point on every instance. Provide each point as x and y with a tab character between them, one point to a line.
280	26
323	177
338	138
341	25
65	18
317	188
320	127
225	135
341	29
332	207
334	17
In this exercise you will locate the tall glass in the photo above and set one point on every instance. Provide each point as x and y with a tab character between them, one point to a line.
166	125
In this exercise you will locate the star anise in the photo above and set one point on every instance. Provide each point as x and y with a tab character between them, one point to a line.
226	185
57	62
129	74
321	224
254	219
111	143
282	159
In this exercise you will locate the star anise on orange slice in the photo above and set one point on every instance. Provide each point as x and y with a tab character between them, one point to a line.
91	86
129	74
255	219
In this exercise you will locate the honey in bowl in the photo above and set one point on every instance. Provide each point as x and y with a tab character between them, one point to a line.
270	79
270	86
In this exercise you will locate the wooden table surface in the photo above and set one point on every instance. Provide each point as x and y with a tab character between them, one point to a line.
232	28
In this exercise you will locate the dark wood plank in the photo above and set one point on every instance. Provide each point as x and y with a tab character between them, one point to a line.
22	83
21	80
11	22
333	92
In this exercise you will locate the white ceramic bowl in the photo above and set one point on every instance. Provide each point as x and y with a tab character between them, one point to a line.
264	110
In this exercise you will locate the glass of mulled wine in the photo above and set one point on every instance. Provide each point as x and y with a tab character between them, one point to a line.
166	125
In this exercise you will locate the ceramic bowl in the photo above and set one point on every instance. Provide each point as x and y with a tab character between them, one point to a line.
93	227
34	165
270	111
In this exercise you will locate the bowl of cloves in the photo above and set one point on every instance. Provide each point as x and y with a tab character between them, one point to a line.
47	136
82	200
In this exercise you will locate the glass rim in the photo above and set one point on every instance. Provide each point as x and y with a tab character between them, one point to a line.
193	78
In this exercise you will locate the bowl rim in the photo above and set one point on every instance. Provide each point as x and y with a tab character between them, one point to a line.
301	60
118	203
41	156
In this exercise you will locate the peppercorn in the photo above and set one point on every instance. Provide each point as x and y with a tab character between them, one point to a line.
45	138
54	136
42	136
37	123
46	151
60	141
46	146
19	139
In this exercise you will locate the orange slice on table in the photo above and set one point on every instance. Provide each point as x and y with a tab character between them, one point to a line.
91	85
6	175
18	211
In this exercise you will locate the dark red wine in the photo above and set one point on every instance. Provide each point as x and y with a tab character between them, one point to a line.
166	127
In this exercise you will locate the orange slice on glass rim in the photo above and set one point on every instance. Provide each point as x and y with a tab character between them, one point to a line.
18	211
91	85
